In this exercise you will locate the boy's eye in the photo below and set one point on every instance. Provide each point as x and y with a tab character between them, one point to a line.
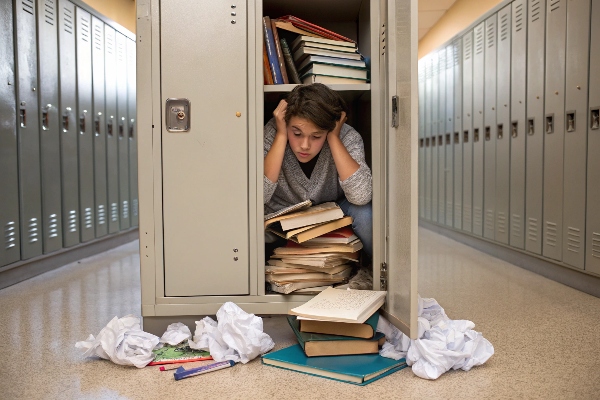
317	137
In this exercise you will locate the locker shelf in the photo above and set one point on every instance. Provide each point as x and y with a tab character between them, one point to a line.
359	87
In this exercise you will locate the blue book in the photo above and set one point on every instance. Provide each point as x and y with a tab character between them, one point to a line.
271	52
358	370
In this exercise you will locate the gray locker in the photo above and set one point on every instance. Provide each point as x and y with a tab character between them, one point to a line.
433	150
421	84
85	125
592	248
441	148
428	106
132	133
556	21
99	127
576	132
122	125
30	196
517	131
478	142
457	136
112	159
489	130
503	126
50	124
534	160
68	123
467	136
9	180
448	137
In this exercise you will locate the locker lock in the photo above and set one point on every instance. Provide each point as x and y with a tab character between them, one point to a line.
177	115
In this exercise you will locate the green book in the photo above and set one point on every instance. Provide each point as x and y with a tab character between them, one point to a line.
358	370
316	344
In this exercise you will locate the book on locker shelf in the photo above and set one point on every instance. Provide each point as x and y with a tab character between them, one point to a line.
315	29
313	260
267	75
310	216
288	26
295	249
289	62
312	276
334	70
365	330
279	52
271	51
273	268
330	80
343	235
311	39
300	287
331	60
306	233
304	51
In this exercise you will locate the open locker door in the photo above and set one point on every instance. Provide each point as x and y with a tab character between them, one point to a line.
399	186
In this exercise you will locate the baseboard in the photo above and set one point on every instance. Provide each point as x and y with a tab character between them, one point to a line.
564	274
22	270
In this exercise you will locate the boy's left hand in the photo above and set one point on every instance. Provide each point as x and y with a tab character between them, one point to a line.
338	126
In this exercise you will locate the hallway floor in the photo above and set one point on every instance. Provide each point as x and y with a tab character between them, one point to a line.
546	337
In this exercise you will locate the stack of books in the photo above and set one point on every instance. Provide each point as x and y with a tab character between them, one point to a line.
320	248
314	55
337	338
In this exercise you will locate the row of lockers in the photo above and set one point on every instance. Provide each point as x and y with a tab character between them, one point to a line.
68	151
509	130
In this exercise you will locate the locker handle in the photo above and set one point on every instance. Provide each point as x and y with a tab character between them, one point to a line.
65	119
500	132
426	142
550	123
46	117
97	124
466	137
570	121
456	138
394	111
448	137
440	140
488	133
82	122
514	129
23	117
421	142
595	118
531	126
476	135
109	126
131	122
122	127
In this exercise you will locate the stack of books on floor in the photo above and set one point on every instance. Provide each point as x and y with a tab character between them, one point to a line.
337	338
314	54
320	249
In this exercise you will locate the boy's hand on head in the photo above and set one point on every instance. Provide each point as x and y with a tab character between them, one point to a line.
279	115
338	126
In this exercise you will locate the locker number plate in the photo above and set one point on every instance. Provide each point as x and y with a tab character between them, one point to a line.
178	115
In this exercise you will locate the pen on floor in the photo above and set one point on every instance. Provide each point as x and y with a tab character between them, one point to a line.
187	365
182	373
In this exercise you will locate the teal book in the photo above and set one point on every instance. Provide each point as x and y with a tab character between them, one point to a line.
358	370
365	330
316	344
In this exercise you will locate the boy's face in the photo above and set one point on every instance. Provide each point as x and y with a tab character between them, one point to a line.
305	138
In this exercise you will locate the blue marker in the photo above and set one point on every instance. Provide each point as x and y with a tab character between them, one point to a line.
181	373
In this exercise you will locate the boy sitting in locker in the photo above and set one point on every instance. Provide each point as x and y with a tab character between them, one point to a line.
310	153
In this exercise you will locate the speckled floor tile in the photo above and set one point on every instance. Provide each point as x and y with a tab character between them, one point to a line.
546	336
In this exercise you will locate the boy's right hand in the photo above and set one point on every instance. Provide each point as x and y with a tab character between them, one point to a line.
279	115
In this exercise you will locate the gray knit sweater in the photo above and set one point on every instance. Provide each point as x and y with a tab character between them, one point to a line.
324	185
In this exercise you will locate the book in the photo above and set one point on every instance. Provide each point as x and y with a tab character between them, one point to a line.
312	289
309	276
335	70
354	306
332	47
304	38
305	51
267	74
279	53
329	80
312	28
288	26
318	260
180	353
287	288
316	344
278	265
313	215
271	52
358	369
299	206
366	330
289	62
342	235
333	61
313	231
296	249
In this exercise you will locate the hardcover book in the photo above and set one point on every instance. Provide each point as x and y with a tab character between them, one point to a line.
365	331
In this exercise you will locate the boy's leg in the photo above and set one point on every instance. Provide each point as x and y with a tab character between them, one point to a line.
362	223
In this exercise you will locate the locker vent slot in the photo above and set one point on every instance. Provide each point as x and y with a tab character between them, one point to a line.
554	5
532	230
125	209
85	30
519	17
479	40
570	121
98	37
551	234
595	118
134	207
53	225
441	62
535	11
120	57
573	240
32	229
457	52
49	10
28	6
491	34
467	215
468	48
504	27
109	44
477	217
516	225
596	244
88	218
458	211
72	221
489	220
68	20
476	135
101	214
114	212
501	222
10	238
449	208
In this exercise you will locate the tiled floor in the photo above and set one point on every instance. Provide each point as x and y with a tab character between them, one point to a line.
546	336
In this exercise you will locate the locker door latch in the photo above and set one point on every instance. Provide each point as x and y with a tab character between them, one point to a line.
177	115
383	277
394	111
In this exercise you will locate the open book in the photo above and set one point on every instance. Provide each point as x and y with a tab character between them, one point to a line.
307	216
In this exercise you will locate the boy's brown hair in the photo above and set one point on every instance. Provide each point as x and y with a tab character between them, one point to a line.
316	103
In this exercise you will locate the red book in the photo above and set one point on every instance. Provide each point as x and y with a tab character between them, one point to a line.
316	29
342	235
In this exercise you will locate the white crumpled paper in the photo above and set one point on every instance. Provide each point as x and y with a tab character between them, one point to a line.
442	344
175	334
122	341
237	336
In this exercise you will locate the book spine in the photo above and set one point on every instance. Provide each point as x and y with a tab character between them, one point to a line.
267	74
284	74
289	61
273	62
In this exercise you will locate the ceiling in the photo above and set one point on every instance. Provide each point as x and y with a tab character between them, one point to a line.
430	11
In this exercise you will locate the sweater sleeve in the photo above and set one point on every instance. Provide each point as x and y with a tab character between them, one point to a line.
269	135
358	187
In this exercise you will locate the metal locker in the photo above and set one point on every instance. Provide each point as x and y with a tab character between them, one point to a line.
457	135
68	123
421	84
30	194
534	160
10	251
448	136
503	126
441	147
478	106
122	125
553	127
592	248
132	133
576	132
467	121
85	125
517	123
112	159
99	127
428	126
434	132
489	127
50	124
